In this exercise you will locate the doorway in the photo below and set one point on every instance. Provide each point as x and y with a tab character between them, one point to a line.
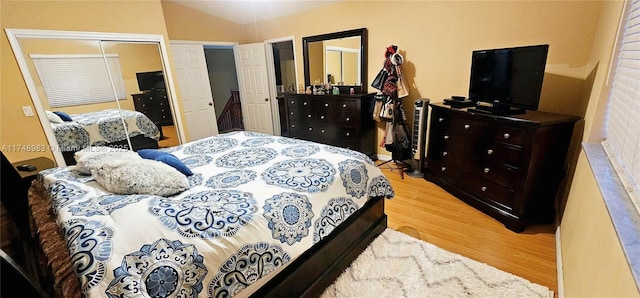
223	82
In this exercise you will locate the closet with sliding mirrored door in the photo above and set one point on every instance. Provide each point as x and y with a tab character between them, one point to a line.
83	86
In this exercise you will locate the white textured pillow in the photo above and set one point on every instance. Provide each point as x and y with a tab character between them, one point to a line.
53	118
93	157
141	176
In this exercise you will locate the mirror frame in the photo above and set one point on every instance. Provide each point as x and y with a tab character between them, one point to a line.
361	32
15	34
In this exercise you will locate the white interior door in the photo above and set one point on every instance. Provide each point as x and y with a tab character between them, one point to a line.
195	90
251	66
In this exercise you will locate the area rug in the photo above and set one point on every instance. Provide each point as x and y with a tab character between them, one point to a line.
398	265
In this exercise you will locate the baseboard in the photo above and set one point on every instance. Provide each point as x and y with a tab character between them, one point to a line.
383	157
559	267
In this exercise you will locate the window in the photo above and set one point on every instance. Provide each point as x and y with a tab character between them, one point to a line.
71	80
623	116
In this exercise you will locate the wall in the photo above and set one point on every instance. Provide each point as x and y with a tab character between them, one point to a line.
184	23
594	264
436	39
97	16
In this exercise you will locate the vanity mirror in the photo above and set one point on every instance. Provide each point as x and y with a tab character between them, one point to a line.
339	58
83	86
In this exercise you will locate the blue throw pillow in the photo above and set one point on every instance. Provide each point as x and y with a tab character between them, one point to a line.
167	158
64	116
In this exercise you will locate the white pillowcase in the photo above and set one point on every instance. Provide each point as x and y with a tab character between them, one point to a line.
143	176
91	158
53	118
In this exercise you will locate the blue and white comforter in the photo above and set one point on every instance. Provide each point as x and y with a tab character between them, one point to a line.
101	128
256	203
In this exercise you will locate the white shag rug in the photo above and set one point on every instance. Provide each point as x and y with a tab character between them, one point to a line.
398	265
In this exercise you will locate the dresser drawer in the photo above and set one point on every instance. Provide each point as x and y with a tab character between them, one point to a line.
306	116
449	122
503	175
509	135
302	129
446	168
338	118
447	141
336	105
494	152
492	193
335	132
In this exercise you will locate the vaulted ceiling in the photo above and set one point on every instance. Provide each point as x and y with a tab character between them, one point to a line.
250	11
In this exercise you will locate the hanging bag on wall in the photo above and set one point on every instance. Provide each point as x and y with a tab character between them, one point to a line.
381	77
379	99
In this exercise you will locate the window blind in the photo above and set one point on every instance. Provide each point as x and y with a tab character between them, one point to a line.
71	80
623	116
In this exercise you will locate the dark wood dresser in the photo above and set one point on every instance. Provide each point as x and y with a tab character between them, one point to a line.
340	120
154	105
509	167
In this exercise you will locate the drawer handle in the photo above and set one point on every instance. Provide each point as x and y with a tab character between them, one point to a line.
309	116
506	135
291	113
486	170
348	134
489	152
445	153
443	169
304	103
484	188
322	117
440	119
322	131
293	125
446	137
348	119
344	105
466	126
326	105
310	128
293	101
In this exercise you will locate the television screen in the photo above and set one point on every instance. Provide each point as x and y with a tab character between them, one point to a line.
509	77
150	81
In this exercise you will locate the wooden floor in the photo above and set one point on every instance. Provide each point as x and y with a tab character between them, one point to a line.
170	137
421	208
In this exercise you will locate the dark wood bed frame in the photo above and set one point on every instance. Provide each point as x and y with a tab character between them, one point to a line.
306	276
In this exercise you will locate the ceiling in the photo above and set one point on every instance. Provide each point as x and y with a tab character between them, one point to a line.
249	11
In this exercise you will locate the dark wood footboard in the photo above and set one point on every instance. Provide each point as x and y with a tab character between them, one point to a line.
317	268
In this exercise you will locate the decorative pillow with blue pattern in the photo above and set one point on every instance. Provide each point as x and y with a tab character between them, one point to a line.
166	158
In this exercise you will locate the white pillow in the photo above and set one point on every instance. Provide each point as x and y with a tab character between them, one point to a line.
53	118
91	158
143	176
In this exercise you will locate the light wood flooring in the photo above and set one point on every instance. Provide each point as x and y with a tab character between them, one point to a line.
424	210
170	137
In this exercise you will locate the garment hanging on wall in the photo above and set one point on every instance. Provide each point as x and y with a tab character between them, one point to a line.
388	107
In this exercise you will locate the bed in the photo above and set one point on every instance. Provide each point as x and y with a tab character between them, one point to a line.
104	128
262	216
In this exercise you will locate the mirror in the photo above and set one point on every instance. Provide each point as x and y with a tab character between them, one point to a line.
90	81
339	58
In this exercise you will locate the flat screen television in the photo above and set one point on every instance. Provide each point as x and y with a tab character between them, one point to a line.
509	79
150	81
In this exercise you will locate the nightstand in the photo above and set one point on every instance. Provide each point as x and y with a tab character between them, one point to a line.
41	163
